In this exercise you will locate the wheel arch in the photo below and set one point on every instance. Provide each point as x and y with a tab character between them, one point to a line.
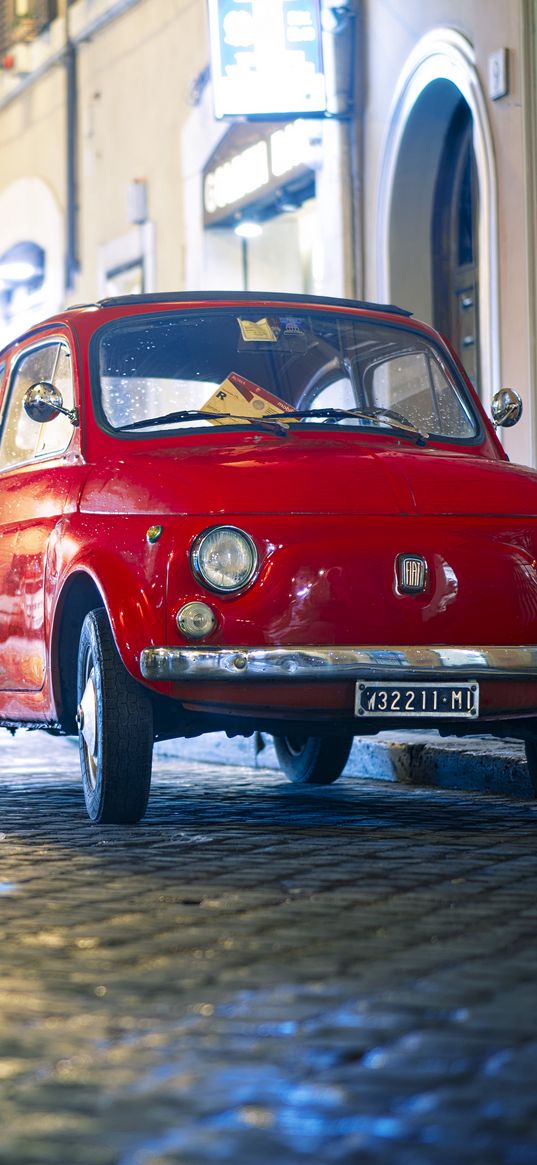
80	595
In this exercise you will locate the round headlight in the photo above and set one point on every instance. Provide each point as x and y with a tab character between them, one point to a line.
224	558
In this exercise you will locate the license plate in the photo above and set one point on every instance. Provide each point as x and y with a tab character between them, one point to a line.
456	701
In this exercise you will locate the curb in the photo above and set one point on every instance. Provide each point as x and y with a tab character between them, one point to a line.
476	763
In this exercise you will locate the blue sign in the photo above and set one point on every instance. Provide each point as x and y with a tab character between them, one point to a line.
266	58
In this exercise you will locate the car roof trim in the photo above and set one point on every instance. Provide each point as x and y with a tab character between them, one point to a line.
261	297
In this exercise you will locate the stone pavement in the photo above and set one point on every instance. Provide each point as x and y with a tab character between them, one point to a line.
259	972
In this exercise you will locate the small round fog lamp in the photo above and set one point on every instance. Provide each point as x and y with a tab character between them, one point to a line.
196	620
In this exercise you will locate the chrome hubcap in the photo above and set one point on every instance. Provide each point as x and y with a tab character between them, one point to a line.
87	725
295	745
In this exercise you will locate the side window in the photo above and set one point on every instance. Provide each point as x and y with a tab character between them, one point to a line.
22	439
414	384
54	437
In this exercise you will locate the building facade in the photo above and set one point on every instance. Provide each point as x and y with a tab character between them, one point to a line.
419	188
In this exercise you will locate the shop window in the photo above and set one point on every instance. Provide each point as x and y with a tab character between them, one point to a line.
26	19
127	279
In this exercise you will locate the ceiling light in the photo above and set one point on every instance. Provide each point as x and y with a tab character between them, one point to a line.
248	229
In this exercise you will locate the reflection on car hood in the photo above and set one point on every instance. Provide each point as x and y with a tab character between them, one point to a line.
327	476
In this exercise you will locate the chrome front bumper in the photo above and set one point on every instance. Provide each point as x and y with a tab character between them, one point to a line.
336	663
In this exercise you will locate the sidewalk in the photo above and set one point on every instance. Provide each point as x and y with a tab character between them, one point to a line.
415	758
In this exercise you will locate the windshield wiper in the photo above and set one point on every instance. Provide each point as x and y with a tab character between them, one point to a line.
276	423
399	421
394	419
270	424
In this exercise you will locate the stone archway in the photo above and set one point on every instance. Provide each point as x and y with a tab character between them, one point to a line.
438	74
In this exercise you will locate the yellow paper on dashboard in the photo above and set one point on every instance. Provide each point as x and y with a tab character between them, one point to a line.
243	398
258	330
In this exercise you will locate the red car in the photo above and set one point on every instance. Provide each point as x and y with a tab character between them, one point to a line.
254	512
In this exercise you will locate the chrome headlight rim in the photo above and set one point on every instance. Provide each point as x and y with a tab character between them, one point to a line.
196	553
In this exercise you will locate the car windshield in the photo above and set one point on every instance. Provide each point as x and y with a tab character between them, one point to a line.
278	369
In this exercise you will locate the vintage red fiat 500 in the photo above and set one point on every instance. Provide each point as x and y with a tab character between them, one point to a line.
255	512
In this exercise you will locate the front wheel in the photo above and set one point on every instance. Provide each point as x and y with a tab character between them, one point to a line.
115	722
313	760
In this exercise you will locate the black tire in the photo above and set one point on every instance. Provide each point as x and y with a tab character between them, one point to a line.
531	757
115	719
313	760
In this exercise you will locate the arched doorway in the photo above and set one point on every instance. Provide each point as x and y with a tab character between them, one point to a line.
437	183
454	242
31	255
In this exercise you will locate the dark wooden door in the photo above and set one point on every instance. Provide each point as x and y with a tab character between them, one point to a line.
455	243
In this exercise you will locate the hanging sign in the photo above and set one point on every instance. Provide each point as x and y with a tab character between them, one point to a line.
266	58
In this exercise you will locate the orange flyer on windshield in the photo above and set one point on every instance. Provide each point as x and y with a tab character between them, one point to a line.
243	398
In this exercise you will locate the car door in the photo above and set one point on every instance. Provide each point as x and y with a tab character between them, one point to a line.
36	483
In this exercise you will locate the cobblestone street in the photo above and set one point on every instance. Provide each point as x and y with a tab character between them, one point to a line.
260	973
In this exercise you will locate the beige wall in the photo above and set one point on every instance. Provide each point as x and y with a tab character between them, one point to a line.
134	77
32	133
529	91
136	121
32	184
134	80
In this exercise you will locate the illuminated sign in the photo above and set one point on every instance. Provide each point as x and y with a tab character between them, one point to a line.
237	176
266	58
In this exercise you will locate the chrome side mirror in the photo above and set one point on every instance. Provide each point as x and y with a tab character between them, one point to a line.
44	402
506	408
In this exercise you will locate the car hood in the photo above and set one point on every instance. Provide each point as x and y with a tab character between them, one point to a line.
305	475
